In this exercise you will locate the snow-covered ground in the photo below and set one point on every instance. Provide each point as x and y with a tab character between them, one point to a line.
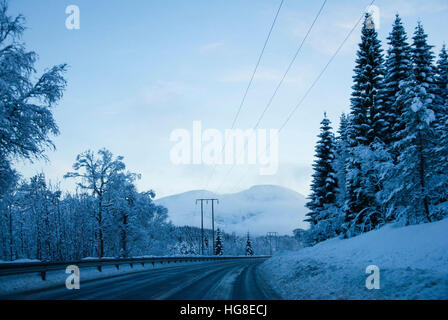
413	264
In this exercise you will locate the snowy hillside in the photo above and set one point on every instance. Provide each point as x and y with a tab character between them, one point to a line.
413	264
259	209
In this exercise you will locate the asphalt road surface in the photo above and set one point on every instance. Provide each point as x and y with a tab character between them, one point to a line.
231	280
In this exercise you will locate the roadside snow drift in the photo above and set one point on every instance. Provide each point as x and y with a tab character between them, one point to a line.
413	264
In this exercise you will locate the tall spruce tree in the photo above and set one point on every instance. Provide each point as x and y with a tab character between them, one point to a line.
417	166
324	184
368	123
368	118
442	77
398	68
442	100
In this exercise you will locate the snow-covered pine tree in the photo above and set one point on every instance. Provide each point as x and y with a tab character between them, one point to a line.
341	155
442	77
322	200
398	67
368	121
368	118
424	69
441	80
219	250
324	183
411	189
249	250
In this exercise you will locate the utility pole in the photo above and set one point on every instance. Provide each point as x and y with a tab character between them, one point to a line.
213	223
202	222
270	235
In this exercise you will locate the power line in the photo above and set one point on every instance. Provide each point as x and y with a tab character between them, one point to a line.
288	118
251	79
290	65
323	70
299	49
256	66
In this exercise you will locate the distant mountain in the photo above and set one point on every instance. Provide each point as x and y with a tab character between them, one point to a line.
260	209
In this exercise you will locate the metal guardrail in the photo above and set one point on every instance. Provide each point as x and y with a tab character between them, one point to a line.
43	267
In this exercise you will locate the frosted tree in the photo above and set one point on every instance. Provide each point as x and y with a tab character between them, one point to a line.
219	250
147	224
120	198
95	174
368	120
442	77
324	183
26	100
367	116
441	81
411	190
37	221
442	100
249	249
40	204
340	162
398	68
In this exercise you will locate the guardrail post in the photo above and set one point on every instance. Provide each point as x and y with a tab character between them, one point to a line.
131	265
99	268
43	275
117	266
143	264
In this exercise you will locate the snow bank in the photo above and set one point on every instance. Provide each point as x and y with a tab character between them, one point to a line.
413	264
20	261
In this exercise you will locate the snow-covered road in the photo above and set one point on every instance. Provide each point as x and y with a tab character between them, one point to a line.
223	280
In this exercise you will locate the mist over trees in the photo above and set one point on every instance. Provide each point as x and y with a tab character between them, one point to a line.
389	159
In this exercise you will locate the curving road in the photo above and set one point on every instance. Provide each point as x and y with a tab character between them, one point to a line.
233	280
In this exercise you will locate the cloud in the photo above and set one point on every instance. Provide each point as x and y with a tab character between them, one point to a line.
408	8
336	21
329	31
210	46
163	91
149	97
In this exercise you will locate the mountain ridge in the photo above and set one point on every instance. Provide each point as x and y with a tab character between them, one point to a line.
259	209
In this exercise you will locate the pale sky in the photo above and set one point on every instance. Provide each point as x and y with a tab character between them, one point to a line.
140	69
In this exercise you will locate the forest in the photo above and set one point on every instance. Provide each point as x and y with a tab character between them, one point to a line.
388	161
